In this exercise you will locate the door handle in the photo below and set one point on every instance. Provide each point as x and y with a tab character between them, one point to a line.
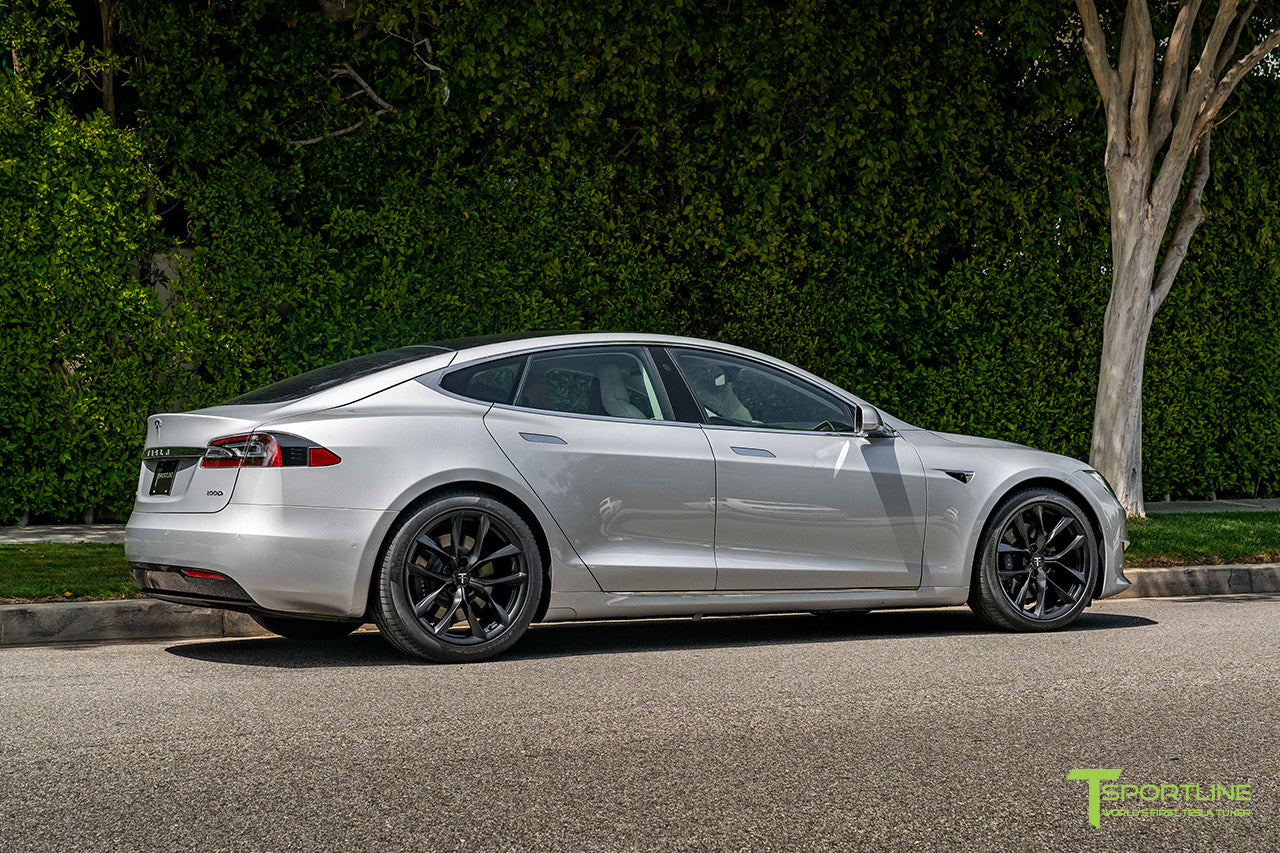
541	438
753	451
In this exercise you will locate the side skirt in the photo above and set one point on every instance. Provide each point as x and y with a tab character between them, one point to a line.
570	606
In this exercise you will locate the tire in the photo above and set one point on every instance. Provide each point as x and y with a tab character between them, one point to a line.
429	596
1037	563
305	629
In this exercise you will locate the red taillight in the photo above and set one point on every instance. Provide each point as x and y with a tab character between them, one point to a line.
322	456
260	450
266	450
197	573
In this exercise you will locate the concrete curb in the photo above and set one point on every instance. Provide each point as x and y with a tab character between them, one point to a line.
1178	581
148	619
130	619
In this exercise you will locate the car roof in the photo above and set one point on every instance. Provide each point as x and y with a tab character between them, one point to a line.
489	346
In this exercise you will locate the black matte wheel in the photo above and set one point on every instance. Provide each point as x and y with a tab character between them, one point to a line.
460	580
305	629
1037	563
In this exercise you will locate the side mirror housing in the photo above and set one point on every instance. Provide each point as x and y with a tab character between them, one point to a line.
867	422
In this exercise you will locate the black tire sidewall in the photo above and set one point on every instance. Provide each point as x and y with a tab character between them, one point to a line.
392	611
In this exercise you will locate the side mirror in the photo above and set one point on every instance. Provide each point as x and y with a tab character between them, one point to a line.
867	422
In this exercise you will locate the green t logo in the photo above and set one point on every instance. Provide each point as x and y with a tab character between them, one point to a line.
1095	778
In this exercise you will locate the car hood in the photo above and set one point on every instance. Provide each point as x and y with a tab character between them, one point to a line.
956	439
951	449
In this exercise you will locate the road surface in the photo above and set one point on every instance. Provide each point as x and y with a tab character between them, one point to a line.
896	730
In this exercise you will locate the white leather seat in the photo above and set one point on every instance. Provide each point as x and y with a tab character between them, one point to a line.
613	393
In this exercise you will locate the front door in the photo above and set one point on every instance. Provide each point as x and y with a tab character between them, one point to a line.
801	501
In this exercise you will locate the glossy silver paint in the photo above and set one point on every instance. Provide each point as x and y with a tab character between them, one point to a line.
639	517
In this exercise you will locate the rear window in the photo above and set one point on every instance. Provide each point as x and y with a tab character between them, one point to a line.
323	378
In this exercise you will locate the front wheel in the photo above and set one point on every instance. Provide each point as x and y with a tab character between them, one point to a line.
460	580
1037	564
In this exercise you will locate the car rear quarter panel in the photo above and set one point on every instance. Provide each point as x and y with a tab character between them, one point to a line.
397	446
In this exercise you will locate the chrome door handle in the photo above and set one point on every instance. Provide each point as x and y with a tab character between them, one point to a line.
753	451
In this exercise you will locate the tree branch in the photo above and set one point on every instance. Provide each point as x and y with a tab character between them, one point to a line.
1233	40
1144	60
345	70
1189	219
1232	79
298	143
1095	50
1173	77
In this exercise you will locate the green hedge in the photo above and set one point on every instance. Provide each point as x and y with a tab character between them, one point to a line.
905	198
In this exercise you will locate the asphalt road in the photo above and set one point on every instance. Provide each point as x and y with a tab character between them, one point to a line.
913	731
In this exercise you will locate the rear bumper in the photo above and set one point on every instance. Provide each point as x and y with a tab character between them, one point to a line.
285	559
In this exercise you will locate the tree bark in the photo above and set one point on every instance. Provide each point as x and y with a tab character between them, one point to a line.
107	12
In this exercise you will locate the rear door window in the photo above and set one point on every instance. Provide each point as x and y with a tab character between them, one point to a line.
616	382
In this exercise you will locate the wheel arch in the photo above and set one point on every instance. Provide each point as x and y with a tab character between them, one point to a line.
1054	484
498	493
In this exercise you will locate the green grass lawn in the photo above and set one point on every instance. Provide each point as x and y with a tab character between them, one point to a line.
63	573
84	571
1202	538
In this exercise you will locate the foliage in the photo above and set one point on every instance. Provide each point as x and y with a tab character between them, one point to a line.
903	197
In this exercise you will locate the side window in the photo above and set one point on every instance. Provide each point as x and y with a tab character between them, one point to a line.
617	382
488	382
738	392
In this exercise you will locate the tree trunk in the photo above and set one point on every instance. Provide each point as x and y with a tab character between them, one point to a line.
1116	450
107	12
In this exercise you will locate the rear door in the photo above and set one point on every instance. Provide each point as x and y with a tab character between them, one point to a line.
633	490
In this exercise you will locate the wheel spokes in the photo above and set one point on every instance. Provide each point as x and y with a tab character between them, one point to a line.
476	547
1067	598
434	547
421	606
503	616
473	622
500	554
418	570
446	621
1071	546
1058	528
486	582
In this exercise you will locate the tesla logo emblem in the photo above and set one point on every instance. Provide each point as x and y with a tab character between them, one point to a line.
157	425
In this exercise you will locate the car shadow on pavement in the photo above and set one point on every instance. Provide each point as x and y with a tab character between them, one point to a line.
574	639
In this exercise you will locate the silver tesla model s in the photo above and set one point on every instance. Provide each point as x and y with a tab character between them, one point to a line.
456	492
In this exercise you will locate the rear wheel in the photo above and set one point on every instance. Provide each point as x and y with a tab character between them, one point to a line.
1037	564
305	629
460	580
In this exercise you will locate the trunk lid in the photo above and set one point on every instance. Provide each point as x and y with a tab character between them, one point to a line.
171	478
